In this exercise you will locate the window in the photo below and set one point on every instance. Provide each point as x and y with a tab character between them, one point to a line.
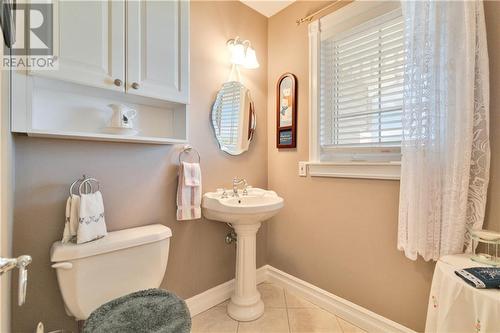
357	68
362	86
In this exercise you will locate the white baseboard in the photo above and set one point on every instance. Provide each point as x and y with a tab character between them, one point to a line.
359	316
218	294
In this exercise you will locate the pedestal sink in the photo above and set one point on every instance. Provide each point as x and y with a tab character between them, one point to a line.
245	213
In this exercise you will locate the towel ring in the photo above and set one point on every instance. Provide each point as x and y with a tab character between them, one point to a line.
188	149
76	182
73	185
88	181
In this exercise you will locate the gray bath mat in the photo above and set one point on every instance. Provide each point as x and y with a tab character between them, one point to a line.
146	311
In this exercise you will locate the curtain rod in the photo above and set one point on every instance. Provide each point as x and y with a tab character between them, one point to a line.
309	17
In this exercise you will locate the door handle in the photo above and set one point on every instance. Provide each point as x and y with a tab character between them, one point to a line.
22	262
7	264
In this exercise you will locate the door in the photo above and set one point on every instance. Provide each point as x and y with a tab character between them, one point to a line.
3	284
6	193
89	43
157	49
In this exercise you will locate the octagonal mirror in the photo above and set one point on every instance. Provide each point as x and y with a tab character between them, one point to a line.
233	118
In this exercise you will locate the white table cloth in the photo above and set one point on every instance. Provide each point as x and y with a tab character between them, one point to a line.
455	306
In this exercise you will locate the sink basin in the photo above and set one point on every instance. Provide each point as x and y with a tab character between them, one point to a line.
245	213
258	206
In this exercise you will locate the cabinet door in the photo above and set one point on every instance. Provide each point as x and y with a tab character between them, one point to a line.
157	49
89	43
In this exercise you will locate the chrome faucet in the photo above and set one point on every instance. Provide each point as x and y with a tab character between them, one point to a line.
8	264
236	182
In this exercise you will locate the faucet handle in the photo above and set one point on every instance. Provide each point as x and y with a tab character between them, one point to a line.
222	192
245	189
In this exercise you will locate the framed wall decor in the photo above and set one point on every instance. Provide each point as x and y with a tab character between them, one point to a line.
286	111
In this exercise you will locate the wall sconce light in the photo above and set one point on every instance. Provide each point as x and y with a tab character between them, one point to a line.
242	53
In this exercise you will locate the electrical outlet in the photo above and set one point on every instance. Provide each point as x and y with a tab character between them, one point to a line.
303	169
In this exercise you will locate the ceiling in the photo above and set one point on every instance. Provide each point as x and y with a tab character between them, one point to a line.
267	7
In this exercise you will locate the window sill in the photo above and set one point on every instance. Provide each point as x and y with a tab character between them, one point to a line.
363	170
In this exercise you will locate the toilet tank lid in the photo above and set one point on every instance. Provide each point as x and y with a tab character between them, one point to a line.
113	241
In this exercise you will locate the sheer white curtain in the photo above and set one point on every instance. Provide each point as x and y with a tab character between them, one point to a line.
445	148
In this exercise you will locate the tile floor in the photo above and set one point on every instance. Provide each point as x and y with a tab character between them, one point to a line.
285	313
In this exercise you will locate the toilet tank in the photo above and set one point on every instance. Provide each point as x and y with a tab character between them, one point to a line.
124	261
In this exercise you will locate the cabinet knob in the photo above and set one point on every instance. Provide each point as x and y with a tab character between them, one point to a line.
135	85
117	82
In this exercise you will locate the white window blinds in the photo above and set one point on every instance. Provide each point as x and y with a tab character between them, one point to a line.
361	86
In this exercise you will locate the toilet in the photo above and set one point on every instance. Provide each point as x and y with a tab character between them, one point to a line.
123	262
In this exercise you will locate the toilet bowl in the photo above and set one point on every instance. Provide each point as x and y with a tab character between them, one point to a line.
123	262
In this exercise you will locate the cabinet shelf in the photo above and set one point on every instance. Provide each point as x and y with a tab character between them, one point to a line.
65	110
104	137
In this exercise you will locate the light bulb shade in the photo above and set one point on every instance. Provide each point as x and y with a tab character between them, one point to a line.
237	54
250	59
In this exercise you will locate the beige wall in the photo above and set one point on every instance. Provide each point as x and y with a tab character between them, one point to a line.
139	181
340	234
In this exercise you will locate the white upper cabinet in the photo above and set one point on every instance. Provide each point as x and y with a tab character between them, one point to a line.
110	51
137	47
89	43
157	49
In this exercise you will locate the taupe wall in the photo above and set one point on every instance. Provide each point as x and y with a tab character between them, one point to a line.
139	181
340	234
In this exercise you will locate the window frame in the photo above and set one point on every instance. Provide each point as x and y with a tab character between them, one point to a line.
349	162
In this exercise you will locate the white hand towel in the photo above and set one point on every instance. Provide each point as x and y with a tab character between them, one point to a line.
189	196
74	215
192	174
67	235
91	218
71	219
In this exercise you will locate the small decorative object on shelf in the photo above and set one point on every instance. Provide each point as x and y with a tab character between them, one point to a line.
121	120
286	111
486	247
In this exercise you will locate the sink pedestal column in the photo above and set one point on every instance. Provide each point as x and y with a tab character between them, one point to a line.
245	304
